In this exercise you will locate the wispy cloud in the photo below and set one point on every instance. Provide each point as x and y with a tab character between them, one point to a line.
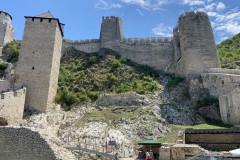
220	6
193	2
162	30
148	4
103	5
140	12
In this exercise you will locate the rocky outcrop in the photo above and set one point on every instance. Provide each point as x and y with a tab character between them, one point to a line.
126	99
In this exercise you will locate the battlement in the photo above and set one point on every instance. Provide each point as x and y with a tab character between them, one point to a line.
84	41
46	20
5	14
110	18
148	40
9	94
193	15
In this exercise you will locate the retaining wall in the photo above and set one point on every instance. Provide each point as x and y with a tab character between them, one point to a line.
214	139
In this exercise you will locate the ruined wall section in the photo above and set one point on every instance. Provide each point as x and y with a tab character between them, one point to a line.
197	43
87	46
230	107
12	106
37	57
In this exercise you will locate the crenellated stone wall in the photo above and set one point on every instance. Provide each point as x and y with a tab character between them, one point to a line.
12	106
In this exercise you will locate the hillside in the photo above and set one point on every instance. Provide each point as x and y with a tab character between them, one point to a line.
229	52
84	77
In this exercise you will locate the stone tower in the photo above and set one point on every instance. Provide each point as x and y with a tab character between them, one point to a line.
111	29
197	45
6	29
39	60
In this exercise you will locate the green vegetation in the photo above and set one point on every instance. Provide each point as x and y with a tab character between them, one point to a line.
172	137
11	51
207	101
174	82
84	77
3	65
229	52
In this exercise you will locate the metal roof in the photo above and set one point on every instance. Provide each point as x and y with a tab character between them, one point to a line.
149	142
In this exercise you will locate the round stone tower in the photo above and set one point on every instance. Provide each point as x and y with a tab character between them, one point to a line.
5	17
197	44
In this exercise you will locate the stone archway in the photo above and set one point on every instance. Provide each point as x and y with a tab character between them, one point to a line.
3	122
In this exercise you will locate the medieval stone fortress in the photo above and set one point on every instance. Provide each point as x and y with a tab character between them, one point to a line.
190	53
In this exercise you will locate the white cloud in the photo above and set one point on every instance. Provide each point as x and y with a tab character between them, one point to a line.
148	4
229	27
103	5
140	12
162	30
220	6
193	2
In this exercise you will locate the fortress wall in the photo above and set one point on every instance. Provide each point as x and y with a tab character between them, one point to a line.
87	46
156	55
23	143
214	139
221	81
230	107
147	40
12	106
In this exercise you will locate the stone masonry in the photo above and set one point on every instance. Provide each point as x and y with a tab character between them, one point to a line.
6	29
39	60
12	106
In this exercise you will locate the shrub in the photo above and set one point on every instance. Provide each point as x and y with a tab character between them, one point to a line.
92	60
3	65
93	96
123	60
70	99
11	50
83	98
111	77
116	64
58	99
174	82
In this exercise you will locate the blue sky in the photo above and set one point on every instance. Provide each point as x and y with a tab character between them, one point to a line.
141	18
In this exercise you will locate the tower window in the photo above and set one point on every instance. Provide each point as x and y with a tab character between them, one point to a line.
33	52
41	20
49	20
32	19
32	68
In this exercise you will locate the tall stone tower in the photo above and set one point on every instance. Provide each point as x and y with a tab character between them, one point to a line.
197	45
111	29
39	60
6	29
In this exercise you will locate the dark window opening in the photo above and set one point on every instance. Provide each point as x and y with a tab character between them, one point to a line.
3	122
33	52
41	20
32	19
32	68
222	82
49	20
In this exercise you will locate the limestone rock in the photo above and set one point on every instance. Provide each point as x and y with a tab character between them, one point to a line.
126	99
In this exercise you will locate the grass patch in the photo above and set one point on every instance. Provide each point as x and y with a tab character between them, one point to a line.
172	137
108	115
